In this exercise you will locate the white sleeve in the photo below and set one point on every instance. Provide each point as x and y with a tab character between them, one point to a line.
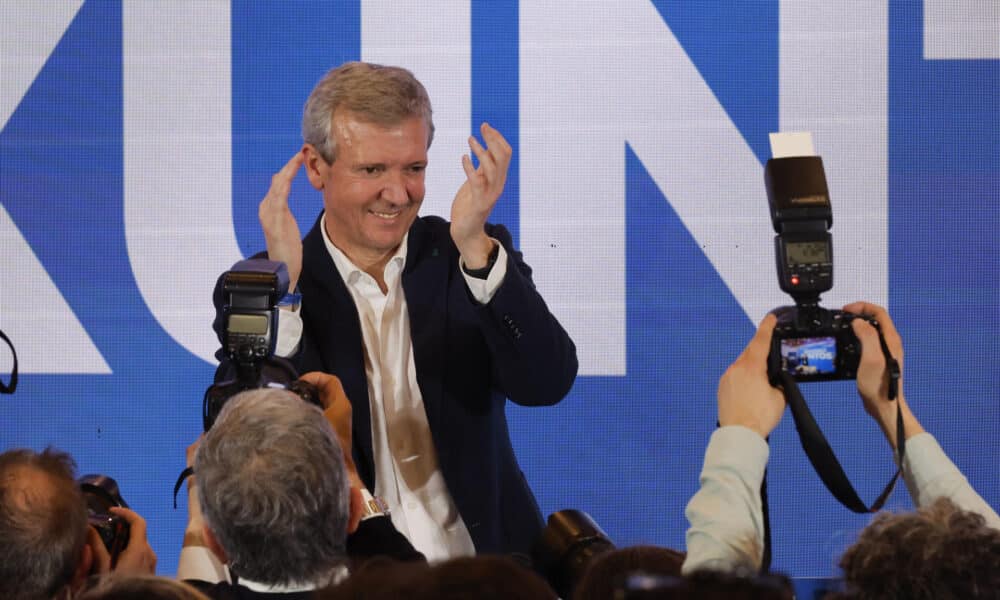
289	332
930	475
726	519
484	289
201	564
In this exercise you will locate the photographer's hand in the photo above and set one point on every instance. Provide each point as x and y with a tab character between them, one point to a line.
194	532
138	557
873	377
102	559
281	231
745	395
338	411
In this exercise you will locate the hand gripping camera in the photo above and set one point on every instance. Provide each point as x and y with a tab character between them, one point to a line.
810	343
252	290
100	493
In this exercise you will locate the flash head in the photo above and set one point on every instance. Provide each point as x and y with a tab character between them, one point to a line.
797	194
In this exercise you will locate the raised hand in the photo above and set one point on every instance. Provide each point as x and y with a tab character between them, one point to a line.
477	196
745	395
281	231
873	379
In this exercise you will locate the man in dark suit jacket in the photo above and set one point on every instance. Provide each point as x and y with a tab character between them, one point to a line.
429	324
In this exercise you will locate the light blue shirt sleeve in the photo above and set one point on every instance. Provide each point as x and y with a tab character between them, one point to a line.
726	519
930	474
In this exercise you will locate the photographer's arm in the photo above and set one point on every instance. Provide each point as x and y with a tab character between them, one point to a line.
726	518
376	535
197	561
927	470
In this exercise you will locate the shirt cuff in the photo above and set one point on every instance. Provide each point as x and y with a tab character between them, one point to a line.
483	290
201	564
289	333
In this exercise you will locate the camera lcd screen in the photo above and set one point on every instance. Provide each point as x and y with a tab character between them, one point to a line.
807	253
256	324
809	356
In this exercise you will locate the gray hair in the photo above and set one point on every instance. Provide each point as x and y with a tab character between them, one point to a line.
273	488
374	93
43	527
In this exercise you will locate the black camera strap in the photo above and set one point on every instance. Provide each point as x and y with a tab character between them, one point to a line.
821	455
187	472
9	388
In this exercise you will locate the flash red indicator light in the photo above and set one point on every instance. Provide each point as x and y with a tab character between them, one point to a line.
795	280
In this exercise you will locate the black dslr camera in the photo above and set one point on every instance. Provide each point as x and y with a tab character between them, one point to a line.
100	493
810	343
252	290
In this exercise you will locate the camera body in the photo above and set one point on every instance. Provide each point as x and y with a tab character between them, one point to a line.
100	493
814	344
810	343
252	290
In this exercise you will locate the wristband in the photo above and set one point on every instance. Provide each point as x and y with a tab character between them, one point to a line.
290	300
372	506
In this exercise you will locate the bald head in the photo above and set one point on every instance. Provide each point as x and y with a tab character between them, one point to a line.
43	523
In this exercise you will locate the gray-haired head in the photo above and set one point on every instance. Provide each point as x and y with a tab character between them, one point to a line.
43	523
373	93
273	488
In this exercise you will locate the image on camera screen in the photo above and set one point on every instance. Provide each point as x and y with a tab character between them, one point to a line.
809	356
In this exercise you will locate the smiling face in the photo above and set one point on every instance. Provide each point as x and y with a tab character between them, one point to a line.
373	189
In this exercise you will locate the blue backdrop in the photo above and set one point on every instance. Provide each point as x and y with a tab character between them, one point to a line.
137	140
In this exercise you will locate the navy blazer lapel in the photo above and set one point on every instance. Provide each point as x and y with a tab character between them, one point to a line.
425	285
343	345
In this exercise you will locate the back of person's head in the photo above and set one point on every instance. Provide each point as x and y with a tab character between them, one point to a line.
273	488
484	577
140	587
606	572
708	585
939	552
377	94
43	523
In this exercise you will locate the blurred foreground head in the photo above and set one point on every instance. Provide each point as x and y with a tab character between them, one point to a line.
937	552
140	587
486	577
273	488
43	524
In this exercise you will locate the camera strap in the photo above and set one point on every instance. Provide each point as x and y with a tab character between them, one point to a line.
9	388
187	472
821	455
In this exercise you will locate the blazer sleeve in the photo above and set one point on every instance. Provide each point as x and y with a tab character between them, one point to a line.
378	537
534	359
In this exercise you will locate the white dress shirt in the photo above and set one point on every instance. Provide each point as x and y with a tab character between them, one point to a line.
407	474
